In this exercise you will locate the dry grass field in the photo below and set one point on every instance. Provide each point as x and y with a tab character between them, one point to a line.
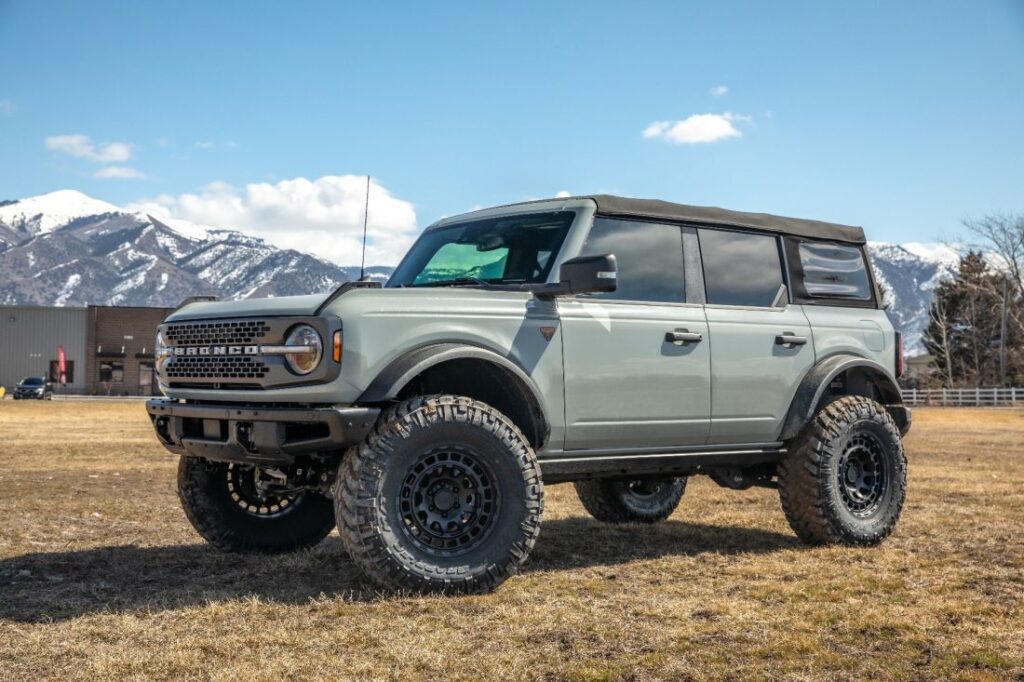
102	577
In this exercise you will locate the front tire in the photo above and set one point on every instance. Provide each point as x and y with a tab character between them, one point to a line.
226	507
444	495
647	500
844	478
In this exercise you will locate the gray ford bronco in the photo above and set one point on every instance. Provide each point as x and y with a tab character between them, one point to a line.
620	344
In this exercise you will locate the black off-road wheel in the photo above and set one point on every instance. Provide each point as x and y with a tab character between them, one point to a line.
844	478
224	503
644	500
444	495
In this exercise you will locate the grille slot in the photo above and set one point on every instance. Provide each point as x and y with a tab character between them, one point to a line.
220	367
211	333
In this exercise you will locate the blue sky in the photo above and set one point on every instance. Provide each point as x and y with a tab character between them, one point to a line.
902	117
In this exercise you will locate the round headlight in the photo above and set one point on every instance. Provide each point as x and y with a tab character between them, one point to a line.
306	361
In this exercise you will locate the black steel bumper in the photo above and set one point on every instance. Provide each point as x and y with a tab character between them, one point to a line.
259	435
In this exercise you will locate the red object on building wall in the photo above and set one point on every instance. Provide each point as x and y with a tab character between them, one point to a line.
61	366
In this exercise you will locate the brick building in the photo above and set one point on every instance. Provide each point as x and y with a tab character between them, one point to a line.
119	358
109	350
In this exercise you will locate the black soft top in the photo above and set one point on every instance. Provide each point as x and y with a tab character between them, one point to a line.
709	215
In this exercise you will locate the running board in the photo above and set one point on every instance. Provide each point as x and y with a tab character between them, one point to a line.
561	469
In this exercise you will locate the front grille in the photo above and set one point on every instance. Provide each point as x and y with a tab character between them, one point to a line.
210	333
220	367
227	354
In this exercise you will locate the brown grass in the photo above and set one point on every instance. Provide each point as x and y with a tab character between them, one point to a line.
102	577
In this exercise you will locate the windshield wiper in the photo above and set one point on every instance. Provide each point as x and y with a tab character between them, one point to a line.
459	282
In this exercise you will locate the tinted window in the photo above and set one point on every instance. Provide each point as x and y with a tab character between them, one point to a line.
512	249
740	268
834	271
649	258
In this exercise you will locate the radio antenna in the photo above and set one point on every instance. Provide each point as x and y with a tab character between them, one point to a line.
366	216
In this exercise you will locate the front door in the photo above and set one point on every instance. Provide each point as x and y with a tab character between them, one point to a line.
760	351
637	360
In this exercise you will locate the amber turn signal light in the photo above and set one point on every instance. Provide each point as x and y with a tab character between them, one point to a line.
336	353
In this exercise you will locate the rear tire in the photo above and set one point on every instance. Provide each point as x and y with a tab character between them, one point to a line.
444	495
844	478
648	500
223	504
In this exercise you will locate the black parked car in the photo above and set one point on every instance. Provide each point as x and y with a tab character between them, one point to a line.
37	388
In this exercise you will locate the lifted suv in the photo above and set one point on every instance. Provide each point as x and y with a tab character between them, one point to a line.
620	344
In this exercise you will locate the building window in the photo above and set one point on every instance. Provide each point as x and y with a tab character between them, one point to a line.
145	378
69	371
112	372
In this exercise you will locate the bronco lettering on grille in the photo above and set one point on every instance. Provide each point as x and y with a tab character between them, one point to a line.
216	350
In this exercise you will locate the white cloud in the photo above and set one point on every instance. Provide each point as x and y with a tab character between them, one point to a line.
81	146
118	173
322	216
719	90
564	194
7	106
696	129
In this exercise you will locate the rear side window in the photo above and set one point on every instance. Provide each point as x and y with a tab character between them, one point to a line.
740	268
649	258
834	271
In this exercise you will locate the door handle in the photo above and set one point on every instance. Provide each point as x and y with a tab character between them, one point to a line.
789	340
681	337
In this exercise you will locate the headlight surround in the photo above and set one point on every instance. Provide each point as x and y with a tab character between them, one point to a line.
305	362
162	352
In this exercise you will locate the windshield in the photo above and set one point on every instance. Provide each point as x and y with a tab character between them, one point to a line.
518	249
32	381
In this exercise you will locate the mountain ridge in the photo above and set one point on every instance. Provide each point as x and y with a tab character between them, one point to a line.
66	248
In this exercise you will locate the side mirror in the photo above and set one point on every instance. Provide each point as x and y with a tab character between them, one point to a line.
590	274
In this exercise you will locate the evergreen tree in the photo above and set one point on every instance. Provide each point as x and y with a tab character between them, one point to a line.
965	332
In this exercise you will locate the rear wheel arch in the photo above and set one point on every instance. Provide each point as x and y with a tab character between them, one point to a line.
837	376
471	371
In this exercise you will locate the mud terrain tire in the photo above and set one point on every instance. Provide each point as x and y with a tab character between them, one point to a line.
444	495
648	500
844	478
222	504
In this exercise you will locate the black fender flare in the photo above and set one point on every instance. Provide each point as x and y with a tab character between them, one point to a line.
814	384
393	378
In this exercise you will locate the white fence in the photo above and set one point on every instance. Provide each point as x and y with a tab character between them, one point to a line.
964	397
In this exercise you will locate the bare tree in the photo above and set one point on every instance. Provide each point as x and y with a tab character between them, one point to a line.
1003	234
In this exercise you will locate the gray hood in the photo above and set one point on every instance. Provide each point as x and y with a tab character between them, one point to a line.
285	306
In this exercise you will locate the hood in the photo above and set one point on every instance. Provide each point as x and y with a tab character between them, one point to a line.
285	306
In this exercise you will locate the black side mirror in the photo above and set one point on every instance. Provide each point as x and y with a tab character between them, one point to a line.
590	274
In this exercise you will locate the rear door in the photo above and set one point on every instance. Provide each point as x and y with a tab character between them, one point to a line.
637	360
760	352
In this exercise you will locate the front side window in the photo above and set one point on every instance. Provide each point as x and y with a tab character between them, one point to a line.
649	257
834	271
740	268
517	249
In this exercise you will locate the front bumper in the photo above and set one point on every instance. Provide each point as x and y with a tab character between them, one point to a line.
28	395
257	435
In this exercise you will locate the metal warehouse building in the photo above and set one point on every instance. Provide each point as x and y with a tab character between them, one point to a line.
108	350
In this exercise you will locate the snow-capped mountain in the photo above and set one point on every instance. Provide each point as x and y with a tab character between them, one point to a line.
65	248
908	275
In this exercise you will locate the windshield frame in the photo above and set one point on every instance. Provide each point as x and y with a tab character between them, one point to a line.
552	266
33	381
